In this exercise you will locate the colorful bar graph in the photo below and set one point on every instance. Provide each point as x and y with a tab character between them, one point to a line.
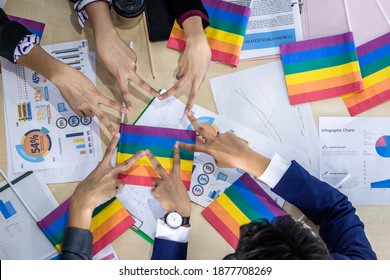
160	141
77	134
321	68
228	22
109	221
243	202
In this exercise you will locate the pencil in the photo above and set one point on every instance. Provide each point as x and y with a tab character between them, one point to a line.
148	45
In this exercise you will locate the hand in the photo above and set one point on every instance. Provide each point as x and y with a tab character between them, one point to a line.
101	185
193	62
121	61
78	91
228	150
118	58
169	190
83	97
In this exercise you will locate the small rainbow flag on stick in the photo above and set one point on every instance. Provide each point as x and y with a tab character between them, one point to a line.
374	59
160	142
321	68
109	221
225	34
241	203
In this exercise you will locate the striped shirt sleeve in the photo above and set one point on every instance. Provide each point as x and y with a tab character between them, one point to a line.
25	45
82	15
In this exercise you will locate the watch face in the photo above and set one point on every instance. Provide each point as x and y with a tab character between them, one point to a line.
174	220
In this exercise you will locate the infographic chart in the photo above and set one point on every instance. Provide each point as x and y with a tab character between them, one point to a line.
355	157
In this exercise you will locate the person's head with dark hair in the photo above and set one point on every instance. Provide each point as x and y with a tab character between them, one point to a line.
283	238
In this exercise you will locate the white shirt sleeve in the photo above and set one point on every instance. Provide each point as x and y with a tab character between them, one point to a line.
275	171
180	234
82	16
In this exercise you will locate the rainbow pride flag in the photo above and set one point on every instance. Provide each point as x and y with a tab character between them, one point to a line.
374	60
241	203
109	221
225	34
321	68
160	142
33	26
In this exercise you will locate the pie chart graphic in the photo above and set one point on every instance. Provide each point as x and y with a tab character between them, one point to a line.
382	146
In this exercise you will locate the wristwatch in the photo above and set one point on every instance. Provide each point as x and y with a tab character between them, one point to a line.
175	220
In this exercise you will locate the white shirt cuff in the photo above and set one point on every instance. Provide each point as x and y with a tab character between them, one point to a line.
180	234
275	171
82	15
25	45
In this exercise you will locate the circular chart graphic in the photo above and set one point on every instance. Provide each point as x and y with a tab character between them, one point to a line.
382	146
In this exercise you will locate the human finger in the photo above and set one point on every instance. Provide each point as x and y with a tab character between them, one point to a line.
112	104
176	159
105	121
193	148
119	184
191	98
111	149
156	165
125	94
129	162
175	88
156	182
144	85
199	129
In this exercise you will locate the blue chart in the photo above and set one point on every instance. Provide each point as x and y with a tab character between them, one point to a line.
382	146
214	194
69	56
381	184
7	209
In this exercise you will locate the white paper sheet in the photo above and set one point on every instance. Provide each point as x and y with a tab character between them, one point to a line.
21	238
2	3
271	24
208	181
257	99
45	132
355	155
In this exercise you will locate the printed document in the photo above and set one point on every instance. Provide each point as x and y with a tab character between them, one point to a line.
355	157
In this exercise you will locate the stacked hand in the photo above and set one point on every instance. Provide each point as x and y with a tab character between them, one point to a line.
101	185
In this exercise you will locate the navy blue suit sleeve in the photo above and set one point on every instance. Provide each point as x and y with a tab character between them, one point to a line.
340	227
11	33
76	244
169	250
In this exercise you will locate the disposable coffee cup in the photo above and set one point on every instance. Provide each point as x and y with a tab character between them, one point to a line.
129	11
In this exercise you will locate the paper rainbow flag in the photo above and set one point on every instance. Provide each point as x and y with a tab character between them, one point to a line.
225	34
160	142
109	221
241	203
374	60
321	68
34	27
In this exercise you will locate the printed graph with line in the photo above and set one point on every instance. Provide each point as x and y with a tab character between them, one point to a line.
7	209
78	144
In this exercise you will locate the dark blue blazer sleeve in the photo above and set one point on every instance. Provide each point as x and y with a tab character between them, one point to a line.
76	244
340	227
169	250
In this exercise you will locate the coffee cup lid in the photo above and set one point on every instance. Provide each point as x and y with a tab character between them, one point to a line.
129	8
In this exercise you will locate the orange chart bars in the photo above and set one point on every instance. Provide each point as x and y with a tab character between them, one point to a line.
109	221
228	23
374	60
160	142
321	68
243	202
